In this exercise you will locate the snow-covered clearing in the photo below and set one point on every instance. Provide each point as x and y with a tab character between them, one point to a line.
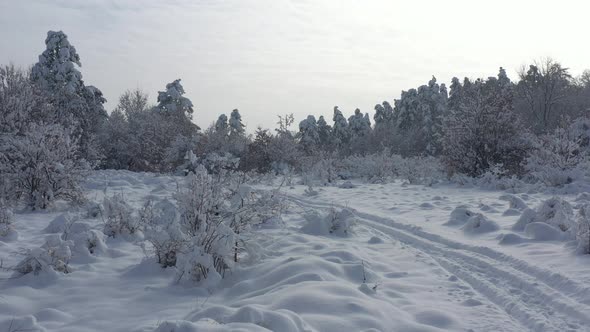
412	258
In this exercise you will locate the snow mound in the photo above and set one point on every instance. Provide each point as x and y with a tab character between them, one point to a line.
554	211
460	215
436	318
541	231
347	185
251	318
583	197
25	323
63	222
510	238
337	222
375	240
471	222
514	201
479	224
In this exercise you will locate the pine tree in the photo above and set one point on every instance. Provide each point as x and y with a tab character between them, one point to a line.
340	131
78	108
324	133
482	129
308	135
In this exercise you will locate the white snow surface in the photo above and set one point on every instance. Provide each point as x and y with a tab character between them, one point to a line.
414	258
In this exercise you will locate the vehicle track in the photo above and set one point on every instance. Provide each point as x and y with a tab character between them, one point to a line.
539	299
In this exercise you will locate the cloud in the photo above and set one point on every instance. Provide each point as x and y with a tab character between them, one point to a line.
269	57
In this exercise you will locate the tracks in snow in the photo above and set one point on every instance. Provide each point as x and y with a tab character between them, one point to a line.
539	299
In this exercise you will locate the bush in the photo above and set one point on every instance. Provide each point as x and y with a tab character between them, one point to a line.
53	256
554	211
6	221
557	159
118	216
337	222
583	229
41	166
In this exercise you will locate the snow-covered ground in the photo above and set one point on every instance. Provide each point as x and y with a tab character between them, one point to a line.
411	259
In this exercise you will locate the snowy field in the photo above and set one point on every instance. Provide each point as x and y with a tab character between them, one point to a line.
362	257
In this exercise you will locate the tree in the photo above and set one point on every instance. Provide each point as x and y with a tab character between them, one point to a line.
324	133
417	118
237	139
340	131
173	103
20	102
258	153
78	108
221	125
482	129
308	135
360	127
40	166
542	89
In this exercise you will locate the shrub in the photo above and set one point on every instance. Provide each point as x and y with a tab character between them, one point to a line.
6	220
53	256
118	216
41	166
583	229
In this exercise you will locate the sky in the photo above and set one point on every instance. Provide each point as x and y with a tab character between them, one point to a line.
272	57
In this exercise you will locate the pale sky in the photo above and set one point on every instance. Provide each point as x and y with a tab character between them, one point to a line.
270	57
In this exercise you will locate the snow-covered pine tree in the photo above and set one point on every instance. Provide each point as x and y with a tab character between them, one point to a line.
341	132
360	128
417	116
308	135
482	130
324	133
78	108
237	139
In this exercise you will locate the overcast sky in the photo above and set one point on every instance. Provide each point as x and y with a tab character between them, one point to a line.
269	57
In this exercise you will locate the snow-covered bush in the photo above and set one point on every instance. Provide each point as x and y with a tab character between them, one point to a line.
482	129
583	229
337	221
375	168
53	256
162	231
323	170
554	211
90	242
6	220
420	170
557	159
118	216
41	166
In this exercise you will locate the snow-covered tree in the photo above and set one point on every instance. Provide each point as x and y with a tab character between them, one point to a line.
543	88
221	125
40	166
308	135
341	132
556	159
78	108
257	156
360	124
417	117
236	127
173	102
482	130
324	133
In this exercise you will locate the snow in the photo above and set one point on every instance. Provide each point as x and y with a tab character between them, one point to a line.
413	258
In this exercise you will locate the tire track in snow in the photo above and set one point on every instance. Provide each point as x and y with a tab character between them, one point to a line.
539	299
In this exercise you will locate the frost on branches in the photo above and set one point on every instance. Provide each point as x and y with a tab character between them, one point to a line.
41	166
557	159
212	228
